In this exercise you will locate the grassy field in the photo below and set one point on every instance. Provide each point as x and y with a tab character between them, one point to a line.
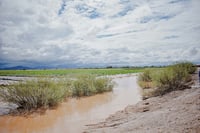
62	72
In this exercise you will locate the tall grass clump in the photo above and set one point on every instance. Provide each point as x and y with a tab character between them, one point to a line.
145	79
48	92
171	78
34	94
87	85
146	76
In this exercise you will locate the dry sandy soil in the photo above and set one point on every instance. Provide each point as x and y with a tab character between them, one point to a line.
177	112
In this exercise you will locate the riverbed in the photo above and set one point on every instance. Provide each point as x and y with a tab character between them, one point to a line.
74	114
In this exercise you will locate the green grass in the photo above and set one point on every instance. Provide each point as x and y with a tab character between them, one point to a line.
61	72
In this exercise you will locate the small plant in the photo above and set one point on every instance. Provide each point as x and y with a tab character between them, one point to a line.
145	79
103	85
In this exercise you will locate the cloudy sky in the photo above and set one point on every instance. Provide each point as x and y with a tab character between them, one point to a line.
79	33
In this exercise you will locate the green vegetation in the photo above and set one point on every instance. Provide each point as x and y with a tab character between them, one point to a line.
33	94
48	92
61	72
87	85
158	82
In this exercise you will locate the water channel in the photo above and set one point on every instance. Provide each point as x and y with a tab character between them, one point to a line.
72	116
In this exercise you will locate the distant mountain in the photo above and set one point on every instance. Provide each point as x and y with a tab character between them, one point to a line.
16	68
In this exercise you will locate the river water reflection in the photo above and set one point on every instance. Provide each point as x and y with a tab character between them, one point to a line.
73	115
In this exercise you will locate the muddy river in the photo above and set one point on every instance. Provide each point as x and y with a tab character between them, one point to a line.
73	115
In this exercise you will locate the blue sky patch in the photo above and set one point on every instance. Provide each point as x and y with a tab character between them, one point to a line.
156	18
128	6
62	7
125	11
146	19
116	34
94	14
164	17
88	11
82	8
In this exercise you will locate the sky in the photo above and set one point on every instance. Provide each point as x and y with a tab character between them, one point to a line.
97	33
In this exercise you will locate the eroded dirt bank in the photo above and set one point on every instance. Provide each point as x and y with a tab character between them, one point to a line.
178	111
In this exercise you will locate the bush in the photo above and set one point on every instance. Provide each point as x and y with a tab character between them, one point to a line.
48	92
169	79
103	85
87	85
145	79
186	66
34	94
145	76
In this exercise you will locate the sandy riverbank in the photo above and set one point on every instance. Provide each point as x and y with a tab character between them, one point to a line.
178	111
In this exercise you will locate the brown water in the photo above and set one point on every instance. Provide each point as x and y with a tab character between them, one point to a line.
73	115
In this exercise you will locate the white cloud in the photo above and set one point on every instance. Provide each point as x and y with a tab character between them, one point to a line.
99	31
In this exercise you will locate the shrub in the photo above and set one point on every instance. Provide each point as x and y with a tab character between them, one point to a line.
186	66
169	79
49	92
34	94
145	76
83	86
103	85
145	79
87	85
